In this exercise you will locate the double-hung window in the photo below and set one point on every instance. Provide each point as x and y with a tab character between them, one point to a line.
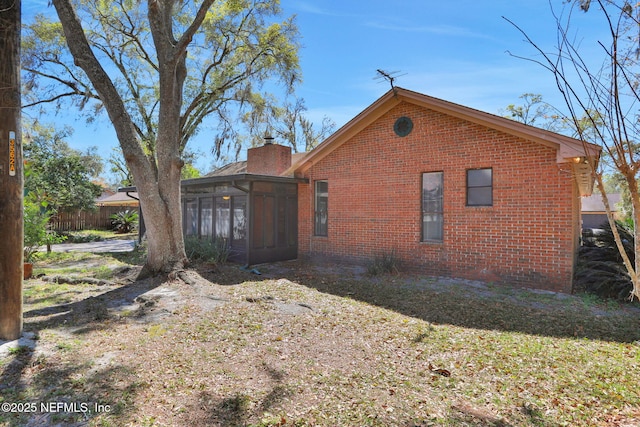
480	187
432	206
321	208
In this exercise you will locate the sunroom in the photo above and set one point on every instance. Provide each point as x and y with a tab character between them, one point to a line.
255	216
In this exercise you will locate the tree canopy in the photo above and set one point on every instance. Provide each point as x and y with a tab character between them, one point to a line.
59	176
236	49
286	122
161	70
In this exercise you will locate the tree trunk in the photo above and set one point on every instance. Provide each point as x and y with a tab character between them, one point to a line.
161	209
11	174
635	202
172	73
158	184
632	268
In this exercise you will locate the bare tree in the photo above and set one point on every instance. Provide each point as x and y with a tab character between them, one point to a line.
287	122
160	68
603	102
534	111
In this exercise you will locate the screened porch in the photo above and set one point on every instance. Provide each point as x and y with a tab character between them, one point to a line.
256	216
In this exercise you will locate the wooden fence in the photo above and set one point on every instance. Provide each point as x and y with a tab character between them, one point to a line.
87	220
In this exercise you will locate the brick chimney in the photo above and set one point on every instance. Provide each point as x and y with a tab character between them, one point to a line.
270	159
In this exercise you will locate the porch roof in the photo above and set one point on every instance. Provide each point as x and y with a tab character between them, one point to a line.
240	178
231	179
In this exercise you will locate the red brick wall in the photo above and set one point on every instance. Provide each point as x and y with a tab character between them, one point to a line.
269	159
527	238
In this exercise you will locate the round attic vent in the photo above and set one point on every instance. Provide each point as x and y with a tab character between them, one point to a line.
403	126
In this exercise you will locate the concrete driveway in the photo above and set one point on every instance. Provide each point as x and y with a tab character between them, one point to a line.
103	246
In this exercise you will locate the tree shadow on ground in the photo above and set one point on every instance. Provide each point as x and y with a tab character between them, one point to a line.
88	313
76	386
63	394
239	409
464	414
456	303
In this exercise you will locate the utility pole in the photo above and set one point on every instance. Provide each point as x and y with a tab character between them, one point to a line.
11	173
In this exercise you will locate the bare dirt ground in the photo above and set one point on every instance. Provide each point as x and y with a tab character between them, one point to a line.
327	345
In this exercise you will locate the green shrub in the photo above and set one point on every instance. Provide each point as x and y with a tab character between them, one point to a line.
36	228
81	237
386	262
125	221
209	250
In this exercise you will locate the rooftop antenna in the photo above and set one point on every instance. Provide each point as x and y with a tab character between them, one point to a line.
389	76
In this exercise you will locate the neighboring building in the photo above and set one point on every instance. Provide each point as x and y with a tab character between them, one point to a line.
449	190
119	199
105	193
594	214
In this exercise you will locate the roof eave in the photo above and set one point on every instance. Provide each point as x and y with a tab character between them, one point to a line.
567	147
351	128
240	177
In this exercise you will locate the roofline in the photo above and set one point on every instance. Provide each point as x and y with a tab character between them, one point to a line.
567	148
131	189
206	180
241	177
348	130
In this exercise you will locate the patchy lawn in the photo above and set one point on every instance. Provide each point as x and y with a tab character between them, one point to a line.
308	345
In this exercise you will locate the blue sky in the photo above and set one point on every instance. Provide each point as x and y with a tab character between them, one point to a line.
454	50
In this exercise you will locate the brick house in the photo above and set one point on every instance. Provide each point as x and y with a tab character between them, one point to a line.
449	190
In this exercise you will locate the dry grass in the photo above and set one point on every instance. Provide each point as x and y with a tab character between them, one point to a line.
307	345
